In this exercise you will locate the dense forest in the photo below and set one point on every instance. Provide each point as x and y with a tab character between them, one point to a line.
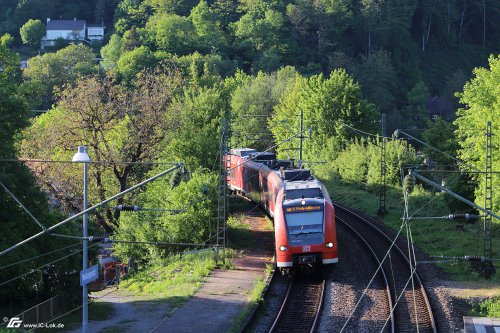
168	71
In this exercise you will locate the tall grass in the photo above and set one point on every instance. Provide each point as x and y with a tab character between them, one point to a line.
173	280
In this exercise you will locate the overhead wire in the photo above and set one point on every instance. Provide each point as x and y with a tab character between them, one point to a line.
381	262
22	206
26	160
104	295
197	246
372	279
44	265
38	256
355	130
411	253
89	209
398	299
113	291
441	152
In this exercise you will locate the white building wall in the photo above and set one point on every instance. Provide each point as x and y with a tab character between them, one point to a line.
66	34
95	33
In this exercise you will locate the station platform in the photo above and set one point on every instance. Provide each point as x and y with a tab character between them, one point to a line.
481	325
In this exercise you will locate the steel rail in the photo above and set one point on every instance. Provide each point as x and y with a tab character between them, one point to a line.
282	308
282	321
403	256
381	270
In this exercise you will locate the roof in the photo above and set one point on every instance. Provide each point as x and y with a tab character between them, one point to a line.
96	26
66	25
243	152
302	184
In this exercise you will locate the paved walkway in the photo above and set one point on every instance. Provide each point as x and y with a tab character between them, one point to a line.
481	325
222	297
212	309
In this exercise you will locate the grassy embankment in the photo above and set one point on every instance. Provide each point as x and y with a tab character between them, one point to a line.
175	279
172	280
437	237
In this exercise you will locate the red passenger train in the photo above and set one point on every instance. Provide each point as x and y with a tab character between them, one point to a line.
304	217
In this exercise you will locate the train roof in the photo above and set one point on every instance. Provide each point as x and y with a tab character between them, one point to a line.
295	174
267	158
302	184
262	156
243	152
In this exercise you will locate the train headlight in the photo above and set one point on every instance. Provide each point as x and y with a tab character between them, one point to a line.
329	245
283	248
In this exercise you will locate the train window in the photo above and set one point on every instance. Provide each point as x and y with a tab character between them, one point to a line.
304	223
303	193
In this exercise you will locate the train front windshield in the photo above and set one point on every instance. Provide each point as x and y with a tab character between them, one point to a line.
304	224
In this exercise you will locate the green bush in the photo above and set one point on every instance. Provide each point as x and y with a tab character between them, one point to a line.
192	221
487	308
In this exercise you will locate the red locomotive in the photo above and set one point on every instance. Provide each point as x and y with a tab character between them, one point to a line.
304	217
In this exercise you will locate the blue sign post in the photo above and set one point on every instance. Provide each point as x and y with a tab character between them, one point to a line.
88	275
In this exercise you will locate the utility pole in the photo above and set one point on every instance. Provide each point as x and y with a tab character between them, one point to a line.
383	168
487	269
222	191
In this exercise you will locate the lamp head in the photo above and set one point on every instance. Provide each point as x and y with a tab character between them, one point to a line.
82	155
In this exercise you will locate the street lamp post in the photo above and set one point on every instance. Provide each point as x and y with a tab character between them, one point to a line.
83	157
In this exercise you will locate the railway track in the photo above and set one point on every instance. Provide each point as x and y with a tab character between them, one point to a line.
301	307
410	308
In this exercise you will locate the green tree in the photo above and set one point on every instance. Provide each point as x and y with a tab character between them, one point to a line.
329	106
261	34
196	140
359	163
53	70
480	98
211	38
132	39
112	52
205	70
416	115
179	7
172	33
252	105
378	80
6	40
32	33
226	11
132	62
117	123
13	107
441	135
352	163
15	224
130	13
195	223
398	153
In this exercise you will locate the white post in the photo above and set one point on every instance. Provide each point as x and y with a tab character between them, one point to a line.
83	157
